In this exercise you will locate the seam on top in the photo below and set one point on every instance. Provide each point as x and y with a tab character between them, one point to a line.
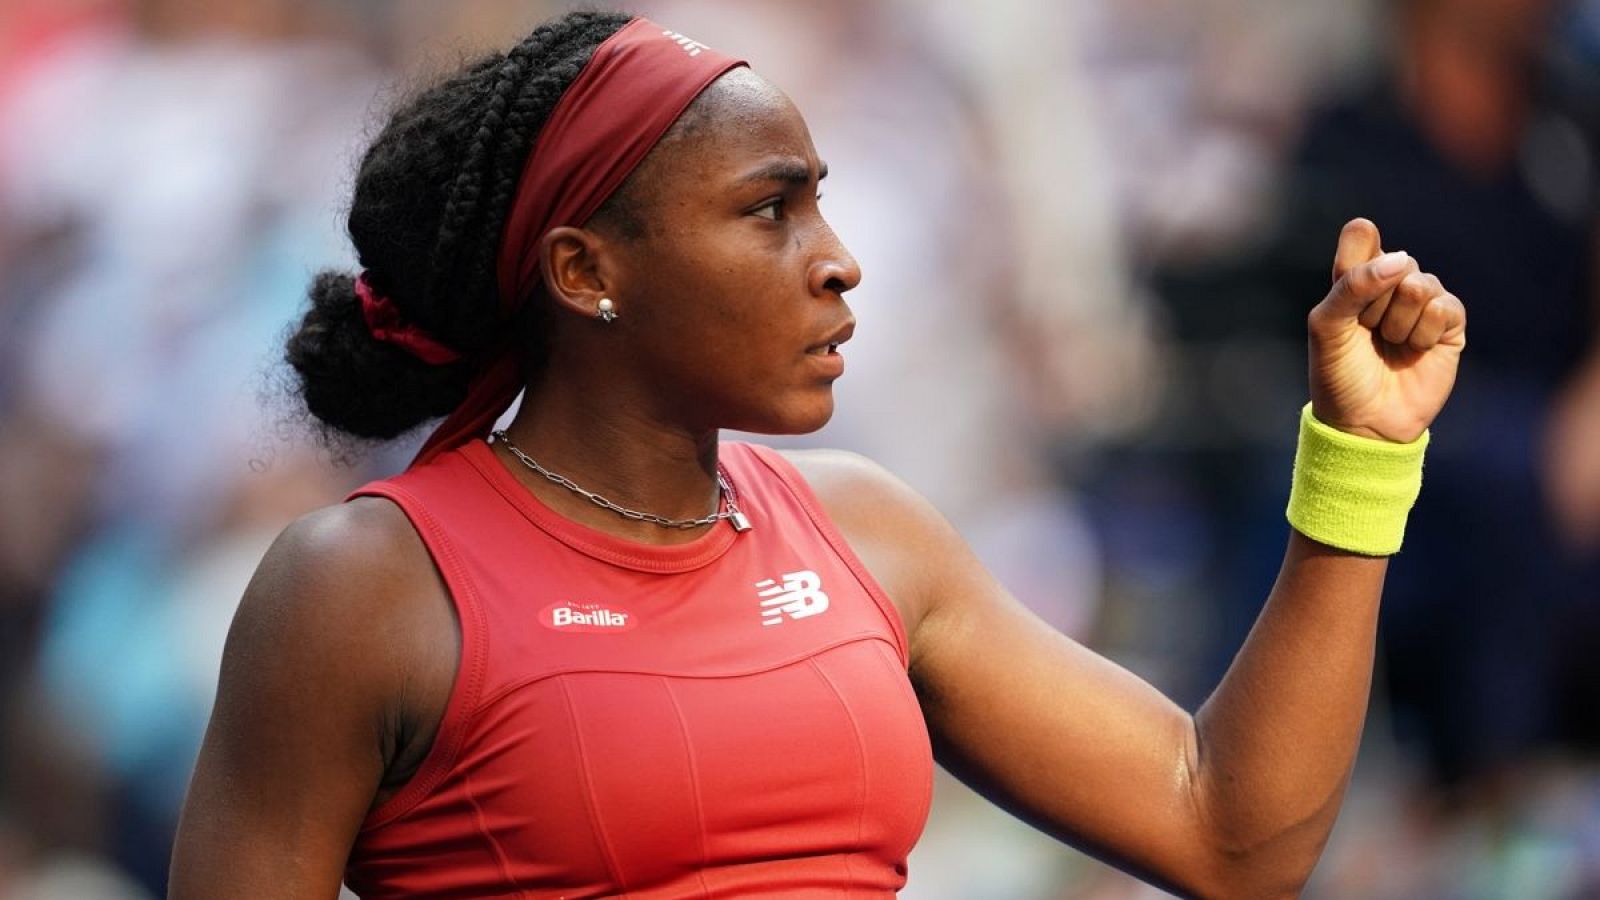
927	744
861	756
694	783
488	837
595	825
502	692
462	705
801	491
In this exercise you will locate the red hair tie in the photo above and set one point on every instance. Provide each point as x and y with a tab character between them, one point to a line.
384	324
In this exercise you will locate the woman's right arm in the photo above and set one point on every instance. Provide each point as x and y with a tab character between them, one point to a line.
313	677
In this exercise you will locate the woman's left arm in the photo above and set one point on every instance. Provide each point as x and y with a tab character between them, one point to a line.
1237	800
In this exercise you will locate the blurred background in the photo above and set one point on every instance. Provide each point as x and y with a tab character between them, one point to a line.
1090	233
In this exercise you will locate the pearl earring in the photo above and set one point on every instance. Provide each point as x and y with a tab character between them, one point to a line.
607	311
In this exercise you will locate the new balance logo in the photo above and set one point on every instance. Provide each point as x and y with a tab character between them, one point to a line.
690	46
569	616
799	595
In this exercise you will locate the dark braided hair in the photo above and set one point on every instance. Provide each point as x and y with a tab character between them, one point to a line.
431	199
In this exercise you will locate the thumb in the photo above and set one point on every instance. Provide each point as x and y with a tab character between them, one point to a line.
1358	243
1363	284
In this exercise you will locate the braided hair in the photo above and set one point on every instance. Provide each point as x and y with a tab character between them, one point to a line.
431	199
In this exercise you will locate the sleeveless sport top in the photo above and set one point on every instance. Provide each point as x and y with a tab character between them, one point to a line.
729	717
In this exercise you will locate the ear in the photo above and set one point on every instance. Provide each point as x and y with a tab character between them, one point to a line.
577	268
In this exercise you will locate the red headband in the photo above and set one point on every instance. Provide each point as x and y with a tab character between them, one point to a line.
630	92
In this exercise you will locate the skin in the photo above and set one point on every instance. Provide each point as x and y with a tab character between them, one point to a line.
344	648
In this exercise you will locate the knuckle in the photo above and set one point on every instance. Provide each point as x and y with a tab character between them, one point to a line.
1361	281
1342	289
1323	320
1415	290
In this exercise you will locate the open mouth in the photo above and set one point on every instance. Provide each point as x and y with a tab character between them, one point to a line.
829	348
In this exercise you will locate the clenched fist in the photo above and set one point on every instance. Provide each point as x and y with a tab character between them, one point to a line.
1385	342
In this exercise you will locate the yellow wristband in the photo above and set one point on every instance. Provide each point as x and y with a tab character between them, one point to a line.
1353	493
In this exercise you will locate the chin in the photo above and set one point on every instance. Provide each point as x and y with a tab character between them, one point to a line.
796	418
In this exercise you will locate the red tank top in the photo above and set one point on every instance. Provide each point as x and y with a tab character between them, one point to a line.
729	717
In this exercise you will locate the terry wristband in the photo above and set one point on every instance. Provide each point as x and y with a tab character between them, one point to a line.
1350	492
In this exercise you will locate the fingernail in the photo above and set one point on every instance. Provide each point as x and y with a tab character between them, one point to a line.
1392	264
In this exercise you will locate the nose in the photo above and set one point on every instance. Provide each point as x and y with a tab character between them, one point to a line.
834	270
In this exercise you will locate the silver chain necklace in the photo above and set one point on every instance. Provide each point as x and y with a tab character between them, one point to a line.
728	498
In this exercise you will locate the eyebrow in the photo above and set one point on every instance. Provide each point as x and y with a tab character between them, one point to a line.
788	171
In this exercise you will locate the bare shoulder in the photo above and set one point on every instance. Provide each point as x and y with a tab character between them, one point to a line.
335	668
367	535
897	533
851	485
343	562
346	591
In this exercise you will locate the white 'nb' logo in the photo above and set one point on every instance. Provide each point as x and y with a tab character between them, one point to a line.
690	46
799	595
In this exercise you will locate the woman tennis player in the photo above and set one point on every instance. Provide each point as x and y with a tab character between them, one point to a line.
602	654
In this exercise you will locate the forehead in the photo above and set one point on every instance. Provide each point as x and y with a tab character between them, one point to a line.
741	118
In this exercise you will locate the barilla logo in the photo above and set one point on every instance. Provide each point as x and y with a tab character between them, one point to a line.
570	616
689	45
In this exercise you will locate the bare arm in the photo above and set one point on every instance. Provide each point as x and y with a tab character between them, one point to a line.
1234	802
308	707
1238	800
1275	743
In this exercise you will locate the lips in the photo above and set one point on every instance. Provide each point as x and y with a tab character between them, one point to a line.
829	361
830	345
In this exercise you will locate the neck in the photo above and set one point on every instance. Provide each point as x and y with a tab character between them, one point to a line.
614	448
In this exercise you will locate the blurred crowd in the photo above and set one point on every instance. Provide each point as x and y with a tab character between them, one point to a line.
1090	233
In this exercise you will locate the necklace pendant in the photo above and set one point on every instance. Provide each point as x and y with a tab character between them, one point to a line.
739	522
